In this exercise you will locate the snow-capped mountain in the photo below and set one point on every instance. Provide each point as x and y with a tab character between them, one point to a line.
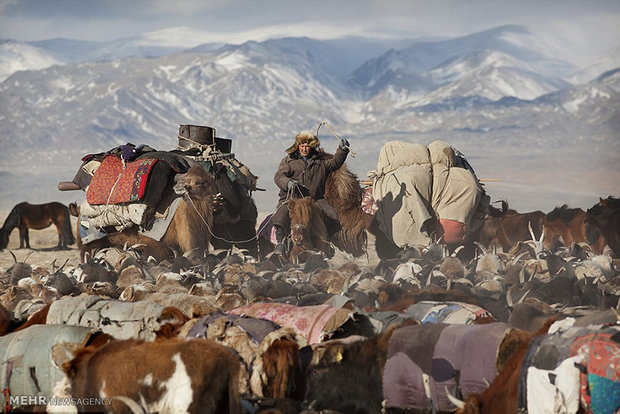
500	47
603	64
17	56
35	55
492	94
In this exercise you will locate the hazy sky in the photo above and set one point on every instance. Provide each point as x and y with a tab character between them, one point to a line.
591	26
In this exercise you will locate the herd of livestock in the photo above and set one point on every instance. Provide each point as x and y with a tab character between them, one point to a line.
422	332
529	323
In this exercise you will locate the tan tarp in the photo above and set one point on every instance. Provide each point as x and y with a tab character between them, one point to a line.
414	184
402	186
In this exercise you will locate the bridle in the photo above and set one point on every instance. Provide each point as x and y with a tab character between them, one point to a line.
297	234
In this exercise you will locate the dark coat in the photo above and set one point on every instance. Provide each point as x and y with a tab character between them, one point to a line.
311	174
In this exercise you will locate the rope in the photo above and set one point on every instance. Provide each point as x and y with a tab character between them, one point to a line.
336	135
289	194
107	203
260	228
6	391
193	144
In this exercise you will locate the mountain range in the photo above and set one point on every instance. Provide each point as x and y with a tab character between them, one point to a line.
548	130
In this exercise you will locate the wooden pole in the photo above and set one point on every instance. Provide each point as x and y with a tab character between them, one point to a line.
369	182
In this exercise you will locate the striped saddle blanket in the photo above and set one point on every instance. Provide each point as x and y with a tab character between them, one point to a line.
117	182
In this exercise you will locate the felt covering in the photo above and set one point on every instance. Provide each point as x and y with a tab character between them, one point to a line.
446	312
314	323
426	360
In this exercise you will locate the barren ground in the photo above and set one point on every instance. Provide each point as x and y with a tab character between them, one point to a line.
42	254
43	242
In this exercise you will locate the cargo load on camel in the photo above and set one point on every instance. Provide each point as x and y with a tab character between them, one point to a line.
424	193
235	222
133	194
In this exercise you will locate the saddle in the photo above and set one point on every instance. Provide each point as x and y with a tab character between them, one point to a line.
117	181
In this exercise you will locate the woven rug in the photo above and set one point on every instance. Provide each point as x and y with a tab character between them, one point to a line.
113	184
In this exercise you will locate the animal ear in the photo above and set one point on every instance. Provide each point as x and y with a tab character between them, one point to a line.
66	355
179	177
69	368
74	209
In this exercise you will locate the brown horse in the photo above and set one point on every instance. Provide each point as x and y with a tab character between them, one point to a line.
344	194
604	218
38	216
508	229
189	231
308	229
564	226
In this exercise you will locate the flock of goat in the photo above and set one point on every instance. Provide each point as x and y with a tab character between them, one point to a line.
227	333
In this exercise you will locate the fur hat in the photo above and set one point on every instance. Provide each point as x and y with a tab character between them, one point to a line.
304	137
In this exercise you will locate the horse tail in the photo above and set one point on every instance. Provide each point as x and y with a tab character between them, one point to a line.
496	212
67	231
353	241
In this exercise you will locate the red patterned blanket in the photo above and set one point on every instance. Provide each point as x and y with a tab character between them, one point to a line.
114	183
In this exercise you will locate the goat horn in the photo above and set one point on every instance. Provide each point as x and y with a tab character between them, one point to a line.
482	247
516	259
457	403
63	265
523	297
13	254
429	279
529	227
133	406
509	296
522	275
28	255
464	281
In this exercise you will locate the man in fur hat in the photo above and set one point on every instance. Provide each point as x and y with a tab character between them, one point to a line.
304	171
